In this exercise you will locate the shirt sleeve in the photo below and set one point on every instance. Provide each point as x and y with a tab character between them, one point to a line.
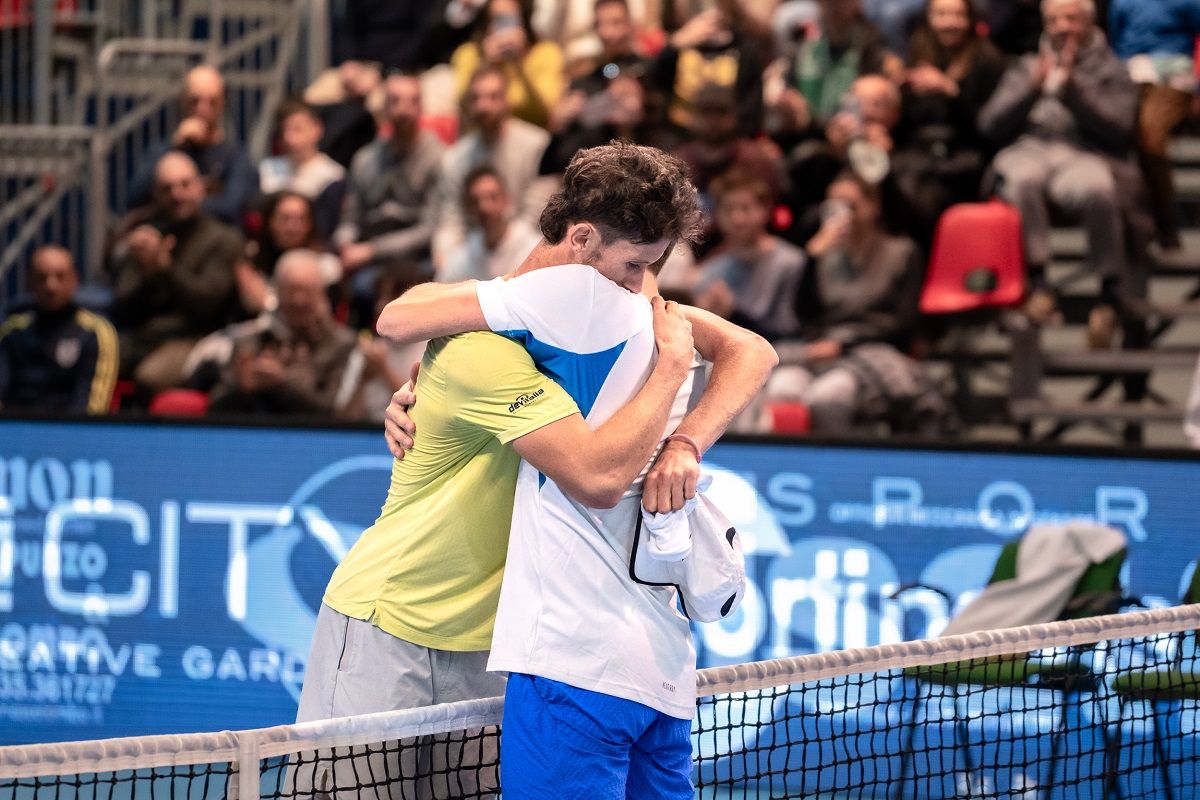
495	387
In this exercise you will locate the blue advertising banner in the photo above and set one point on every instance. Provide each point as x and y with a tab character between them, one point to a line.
165	578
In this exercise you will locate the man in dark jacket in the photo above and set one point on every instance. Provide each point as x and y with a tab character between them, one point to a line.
56	357
1067	116
173	277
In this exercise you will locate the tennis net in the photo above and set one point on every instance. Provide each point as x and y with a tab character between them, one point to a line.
1106	707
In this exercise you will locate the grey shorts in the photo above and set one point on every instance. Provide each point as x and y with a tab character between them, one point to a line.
356	668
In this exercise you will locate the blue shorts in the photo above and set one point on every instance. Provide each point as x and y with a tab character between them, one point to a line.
564	743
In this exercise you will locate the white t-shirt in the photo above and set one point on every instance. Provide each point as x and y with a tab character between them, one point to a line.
568	608
313	177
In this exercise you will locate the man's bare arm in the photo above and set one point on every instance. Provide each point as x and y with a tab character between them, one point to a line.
597	467
742	361
431	310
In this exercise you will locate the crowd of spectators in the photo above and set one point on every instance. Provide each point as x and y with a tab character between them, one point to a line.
827	138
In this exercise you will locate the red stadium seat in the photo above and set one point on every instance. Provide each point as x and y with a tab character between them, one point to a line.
179	403
122	391
977	260
790	418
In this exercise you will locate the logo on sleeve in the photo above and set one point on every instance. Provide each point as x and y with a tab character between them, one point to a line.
525	400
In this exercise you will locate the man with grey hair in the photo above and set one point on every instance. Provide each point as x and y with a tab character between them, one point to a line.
1067	115
293	361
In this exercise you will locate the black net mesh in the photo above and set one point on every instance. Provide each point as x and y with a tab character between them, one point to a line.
185	782
1118	719
453	766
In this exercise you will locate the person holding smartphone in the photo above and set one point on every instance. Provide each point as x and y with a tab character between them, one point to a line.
504	38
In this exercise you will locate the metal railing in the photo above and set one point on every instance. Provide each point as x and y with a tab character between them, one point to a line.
66	183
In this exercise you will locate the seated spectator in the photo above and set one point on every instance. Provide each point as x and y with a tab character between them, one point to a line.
302	167
617	112
287	225
718	47
57	357
1067	116
390	208
513	147
173	276
497	240
293	361
505	41
858	305
347	112
939	157
858	138
228	175
840	48
1157	41
754	279
716	148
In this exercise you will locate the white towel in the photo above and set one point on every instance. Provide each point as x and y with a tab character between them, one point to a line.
670	534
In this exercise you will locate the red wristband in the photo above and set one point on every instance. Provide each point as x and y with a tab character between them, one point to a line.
689	441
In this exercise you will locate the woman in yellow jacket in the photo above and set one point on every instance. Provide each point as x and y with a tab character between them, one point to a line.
505	39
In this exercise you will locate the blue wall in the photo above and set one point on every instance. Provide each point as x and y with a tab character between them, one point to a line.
159	578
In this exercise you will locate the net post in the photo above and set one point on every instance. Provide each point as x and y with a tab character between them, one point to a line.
248	767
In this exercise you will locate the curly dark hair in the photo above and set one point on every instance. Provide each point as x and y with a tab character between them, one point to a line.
627	191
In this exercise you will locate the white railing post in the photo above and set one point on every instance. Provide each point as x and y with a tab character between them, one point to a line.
43	59
318	38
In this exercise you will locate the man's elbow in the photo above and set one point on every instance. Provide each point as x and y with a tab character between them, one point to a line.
764	353
600	492
392	324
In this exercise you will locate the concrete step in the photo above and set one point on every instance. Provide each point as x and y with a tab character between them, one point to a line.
1029	410
1117	362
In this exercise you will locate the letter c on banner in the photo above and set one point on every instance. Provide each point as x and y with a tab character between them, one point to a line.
94	602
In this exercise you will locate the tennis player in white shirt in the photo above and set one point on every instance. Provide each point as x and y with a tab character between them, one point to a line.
601	687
